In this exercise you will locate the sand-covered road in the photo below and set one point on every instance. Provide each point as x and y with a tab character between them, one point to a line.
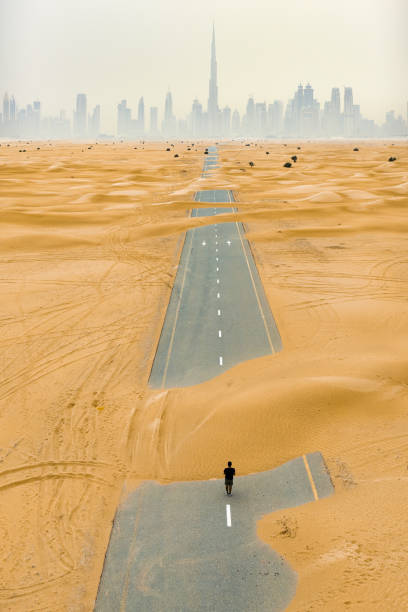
90	243
187	546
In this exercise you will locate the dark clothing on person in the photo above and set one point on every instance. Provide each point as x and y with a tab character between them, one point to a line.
229	474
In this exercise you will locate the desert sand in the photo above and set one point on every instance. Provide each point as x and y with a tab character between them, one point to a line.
90	240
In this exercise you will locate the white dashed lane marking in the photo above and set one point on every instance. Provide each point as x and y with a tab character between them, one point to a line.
228	510
220	359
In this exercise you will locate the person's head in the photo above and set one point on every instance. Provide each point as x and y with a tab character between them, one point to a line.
229	463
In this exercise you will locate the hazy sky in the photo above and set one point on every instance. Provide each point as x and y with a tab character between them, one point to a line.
52	49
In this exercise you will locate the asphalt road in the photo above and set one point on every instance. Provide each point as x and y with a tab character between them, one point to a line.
179	548
210	162
218	314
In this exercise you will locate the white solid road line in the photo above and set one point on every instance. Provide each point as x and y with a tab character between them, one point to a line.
221	361
228	509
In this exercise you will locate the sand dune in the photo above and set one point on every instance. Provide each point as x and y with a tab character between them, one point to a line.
358	194
325	196
89	251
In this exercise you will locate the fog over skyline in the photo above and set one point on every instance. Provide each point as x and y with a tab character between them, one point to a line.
52	50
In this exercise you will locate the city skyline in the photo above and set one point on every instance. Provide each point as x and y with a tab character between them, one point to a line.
52	51
301	117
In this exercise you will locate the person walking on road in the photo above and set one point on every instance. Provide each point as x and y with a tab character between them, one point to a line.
229	473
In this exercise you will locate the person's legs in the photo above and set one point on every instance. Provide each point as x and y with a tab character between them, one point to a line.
229	491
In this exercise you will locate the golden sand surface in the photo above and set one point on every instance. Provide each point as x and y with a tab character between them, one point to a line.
90	240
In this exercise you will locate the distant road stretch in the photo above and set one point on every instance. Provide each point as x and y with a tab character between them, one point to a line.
218	313
210	161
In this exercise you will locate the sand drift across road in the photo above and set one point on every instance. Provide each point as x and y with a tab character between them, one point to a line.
218	315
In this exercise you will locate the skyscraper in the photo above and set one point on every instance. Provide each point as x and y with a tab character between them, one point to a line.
141	117
261	119
80	116
36	118
298	106
168	107
356	119
308	95
335	115
309	117
213	110
12	109
348	101
335	100
249	118
169	126
124	119
94	122
6	108
302	113
348	111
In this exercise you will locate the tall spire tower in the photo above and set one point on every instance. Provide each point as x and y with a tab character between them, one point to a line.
213	110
